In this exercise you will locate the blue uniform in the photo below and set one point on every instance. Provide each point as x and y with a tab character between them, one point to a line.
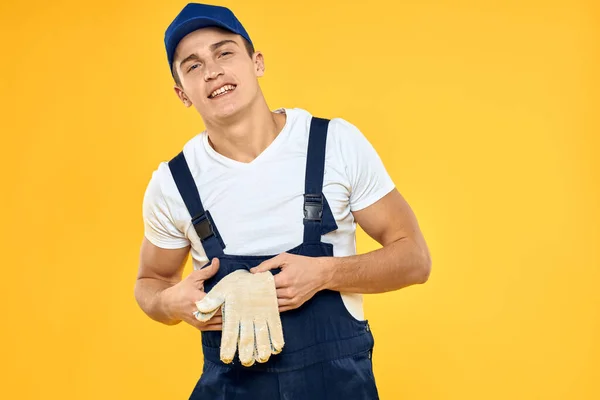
327	353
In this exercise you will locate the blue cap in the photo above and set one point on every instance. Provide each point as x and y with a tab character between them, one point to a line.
196	16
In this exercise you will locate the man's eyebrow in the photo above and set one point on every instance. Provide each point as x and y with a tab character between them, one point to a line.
191	57
215	46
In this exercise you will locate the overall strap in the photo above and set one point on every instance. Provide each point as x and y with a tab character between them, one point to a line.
202	221
318	218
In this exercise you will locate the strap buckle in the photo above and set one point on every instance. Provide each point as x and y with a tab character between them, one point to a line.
203	226
313	207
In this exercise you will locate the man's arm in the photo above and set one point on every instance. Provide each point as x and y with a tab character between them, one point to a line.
159	269
163	295
403	260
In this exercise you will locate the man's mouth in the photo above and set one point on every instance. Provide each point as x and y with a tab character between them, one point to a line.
223	90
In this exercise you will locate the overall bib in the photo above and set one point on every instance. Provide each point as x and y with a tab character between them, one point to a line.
327	352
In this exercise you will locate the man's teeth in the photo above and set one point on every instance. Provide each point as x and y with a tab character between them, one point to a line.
222	90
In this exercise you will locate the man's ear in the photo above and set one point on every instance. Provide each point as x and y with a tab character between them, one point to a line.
259	63
182	96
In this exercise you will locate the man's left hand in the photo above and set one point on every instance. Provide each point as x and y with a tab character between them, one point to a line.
300	278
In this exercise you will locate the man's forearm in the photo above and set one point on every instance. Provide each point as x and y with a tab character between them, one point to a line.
149	295
397	265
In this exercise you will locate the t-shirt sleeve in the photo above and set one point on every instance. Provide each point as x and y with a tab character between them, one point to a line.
159	226
368	178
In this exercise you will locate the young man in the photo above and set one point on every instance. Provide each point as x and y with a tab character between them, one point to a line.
271	190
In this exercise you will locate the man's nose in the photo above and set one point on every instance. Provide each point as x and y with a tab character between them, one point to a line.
212	72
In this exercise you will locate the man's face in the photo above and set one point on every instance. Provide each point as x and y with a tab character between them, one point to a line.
217	75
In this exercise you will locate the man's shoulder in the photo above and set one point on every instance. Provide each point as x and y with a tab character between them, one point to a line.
337	125
158	178
162	176
192	146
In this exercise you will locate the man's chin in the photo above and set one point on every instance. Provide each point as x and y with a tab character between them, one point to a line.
227	111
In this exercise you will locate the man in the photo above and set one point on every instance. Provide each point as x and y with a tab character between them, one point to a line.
275	191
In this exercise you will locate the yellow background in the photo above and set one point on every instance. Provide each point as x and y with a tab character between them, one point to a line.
485	114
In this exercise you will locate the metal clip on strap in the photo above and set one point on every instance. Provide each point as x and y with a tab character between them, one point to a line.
203	226
313	207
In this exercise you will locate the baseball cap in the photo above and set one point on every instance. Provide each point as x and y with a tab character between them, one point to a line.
195	16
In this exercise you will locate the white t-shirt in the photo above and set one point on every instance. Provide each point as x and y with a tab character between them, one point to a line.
258	206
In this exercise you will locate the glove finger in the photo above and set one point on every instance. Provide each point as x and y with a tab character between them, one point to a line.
203	317
276	334
210	303
230	334
263	343
246	345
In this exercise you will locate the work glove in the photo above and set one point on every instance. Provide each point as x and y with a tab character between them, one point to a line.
250	316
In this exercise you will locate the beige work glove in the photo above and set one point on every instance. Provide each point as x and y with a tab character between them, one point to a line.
250	311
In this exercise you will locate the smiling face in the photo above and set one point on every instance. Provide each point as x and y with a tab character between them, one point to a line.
216	74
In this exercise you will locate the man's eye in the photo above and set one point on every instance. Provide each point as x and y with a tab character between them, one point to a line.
193	66
225	53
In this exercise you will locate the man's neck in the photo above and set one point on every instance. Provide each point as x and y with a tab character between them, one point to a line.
246	137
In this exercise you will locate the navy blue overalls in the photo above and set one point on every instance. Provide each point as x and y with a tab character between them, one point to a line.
327	352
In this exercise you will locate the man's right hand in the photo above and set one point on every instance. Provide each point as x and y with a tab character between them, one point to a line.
179	301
